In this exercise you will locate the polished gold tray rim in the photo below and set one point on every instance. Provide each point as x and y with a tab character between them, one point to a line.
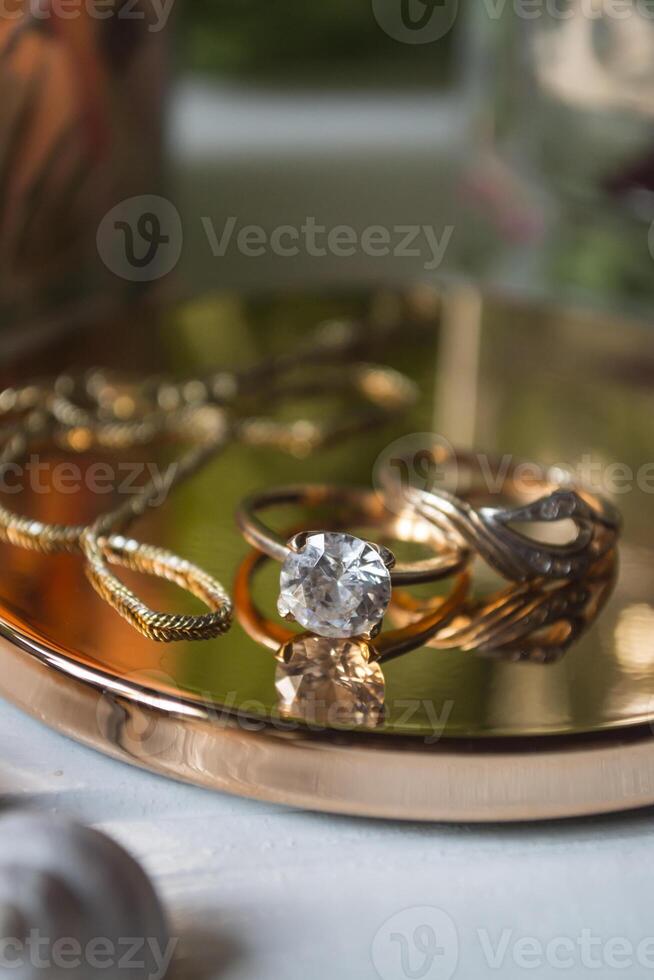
187	702
360	774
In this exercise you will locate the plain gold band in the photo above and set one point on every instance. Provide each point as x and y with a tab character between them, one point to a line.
353	506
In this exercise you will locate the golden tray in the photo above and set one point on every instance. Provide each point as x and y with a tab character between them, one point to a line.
465	737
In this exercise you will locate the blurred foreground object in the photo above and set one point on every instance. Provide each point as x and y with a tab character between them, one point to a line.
70	901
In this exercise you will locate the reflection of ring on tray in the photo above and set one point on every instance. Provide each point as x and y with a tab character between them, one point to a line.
536	621
332	681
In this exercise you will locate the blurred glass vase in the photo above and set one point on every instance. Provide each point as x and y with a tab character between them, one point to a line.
573	119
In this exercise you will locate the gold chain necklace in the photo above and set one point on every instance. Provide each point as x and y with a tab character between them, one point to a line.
100	410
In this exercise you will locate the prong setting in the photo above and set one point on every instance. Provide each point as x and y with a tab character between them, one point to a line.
384	553
374	632
298	541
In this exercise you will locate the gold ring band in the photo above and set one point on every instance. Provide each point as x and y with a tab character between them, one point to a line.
387	645
354	506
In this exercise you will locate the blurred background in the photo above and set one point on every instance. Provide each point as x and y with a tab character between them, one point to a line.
274	166
170	146
190	185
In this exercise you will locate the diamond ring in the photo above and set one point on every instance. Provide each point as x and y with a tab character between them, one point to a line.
334	583
329	680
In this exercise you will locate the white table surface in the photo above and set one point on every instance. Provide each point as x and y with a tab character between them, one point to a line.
257	891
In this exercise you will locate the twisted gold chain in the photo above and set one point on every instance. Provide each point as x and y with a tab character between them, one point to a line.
100	410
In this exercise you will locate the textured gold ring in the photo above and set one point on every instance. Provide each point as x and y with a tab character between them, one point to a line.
535	496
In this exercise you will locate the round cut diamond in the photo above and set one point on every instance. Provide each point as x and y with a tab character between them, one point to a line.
329	682
335	585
